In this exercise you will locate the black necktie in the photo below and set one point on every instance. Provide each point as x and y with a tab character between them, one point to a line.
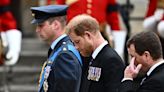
91	61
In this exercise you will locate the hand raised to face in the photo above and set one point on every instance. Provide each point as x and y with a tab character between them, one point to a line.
132	70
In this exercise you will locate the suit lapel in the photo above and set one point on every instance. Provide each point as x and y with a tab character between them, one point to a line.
96	63
100	55
157	69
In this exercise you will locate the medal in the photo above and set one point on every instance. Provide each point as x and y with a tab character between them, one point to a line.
94	73
42	73
45	86
47	72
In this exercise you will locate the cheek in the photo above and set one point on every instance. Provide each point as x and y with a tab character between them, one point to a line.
88	47
138	61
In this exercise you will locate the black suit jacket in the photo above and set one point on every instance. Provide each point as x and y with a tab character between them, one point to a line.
112	68
153	83
65	75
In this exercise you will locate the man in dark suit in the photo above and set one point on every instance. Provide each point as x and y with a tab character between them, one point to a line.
62	70
146	50
105	70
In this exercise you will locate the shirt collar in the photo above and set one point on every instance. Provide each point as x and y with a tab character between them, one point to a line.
98	49
54	43
154	66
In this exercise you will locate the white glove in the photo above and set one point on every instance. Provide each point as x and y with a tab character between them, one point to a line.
158	15
150	24
160	28
119	41
14	38
4	39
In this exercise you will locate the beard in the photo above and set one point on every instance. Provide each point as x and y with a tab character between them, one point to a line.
87	51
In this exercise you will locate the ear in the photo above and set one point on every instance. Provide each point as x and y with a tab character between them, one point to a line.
147	55
55	24
87	34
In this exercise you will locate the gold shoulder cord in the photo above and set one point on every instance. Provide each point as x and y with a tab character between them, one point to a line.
42	73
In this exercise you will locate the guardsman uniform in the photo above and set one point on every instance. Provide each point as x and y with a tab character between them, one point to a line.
104	11
10	36
62	70
154	19
153	5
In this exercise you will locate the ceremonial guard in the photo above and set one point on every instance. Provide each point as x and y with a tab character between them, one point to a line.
106	12
62	70
10	36
154	20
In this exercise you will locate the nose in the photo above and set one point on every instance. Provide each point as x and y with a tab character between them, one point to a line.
77	47
37	29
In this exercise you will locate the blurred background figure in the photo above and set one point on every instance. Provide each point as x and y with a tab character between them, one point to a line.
10	37
154	19
26	71
105	12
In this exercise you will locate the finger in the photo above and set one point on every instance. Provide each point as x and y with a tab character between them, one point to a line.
138	68
132	63
127	68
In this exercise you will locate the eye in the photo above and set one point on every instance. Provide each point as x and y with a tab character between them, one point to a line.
77	41
40	25
131	56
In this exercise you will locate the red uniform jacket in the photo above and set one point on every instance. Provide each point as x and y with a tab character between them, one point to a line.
152	6
7	20
104	11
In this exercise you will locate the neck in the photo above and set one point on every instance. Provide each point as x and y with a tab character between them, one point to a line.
55	36
98	40
155	61
158	60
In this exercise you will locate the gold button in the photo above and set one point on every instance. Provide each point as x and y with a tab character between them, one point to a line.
89	11
89	5
89	1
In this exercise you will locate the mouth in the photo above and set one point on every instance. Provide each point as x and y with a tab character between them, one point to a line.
81	53
41	36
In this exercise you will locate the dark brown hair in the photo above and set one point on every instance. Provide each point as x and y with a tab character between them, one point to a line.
61	19
146	41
